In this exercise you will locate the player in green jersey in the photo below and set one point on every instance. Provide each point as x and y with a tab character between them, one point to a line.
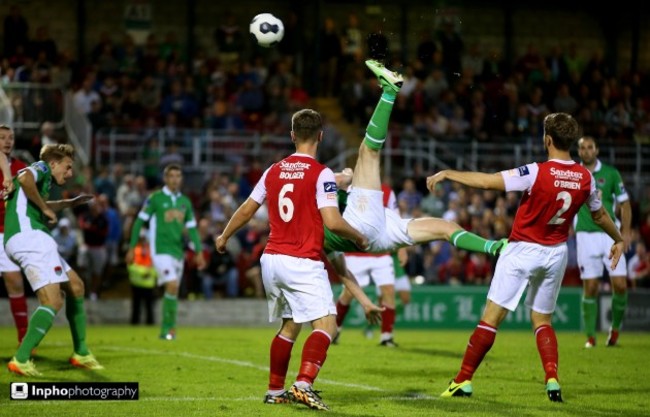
168	213
593	244
28	242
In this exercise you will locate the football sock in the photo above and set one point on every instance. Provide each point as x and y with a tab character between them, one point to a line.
169	310
463	239
387	320
18	305
589	311
314	354
619	304
76	315
280	356
377	129
39	325
547	347
479	344
341	312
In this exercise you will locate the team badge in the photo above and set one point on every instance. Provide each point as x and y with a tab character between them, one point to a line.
58	271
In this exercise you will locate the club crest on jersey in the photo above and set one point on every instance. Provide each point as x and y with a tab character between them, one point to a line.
523	171
58	271
41	166
601	181
329	187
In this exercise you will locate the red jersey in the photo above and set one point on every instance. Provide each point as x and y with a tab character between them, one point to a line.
390	201
15	165
295	190
554	191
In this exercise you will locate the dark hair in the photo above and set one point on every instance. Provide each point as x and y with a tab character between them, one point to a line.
563	129
172	167
56	152
306	124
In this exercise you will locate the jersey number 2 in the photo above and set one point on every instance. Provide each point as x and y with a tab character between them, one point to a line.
285	205
562	195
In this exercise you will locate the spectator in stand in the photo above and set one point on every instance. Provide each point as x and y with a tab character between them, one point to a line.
638	267
229	38
46	137
452	48
94	226
221	268
16	31
330	55
65	237
84	96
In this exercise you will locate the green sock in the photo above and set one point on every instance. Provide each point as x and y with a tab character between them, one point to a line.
170	307
589	312
377	129
463	239
39	325
619	304
76	315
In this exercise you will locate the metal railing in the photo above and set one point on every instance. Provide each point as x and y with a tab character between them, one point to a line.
207	151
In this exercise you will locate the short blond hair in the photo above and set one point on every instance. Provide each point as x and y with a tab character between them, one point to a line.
56	152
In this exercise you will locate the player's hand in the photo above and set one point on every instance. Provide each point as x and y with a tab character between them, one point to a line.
362	243
402	256
373	313
220	244
433	180
128	258
199	259
615	253
51	215
8	185
81	199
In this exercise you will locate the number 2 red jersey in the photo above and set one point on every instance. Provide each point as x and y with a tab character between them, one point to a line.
295	189
554	191
15	165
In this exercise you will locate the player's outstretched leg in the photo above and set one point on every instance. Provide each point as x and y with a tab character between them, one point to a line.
367	170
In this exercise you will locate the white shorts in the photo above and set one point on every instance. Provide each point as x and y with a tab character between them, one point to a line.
384	229
168	268
6	264
37	254
296	288
402	284
593	252
378	268
538	267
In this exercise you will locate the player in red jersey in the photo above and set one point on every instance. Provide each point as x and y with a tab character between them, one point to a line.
13	278
536	256
300	194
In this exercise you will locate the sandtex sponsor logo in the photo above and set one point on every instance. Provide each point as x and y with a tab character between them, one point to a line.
294	166
74	391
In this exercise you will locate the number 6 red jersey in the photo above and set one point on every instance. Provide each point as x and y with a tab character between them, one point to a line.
554	191
295	189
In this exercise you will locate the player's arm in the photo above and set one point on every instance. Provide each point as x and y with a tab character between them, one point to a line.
372	311
241	217
7	182
332	220
143	217
27	181
626	222
602	219
79	200
471	179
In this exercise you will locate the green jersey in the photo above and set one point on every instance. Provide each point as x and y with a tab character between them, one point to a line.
168	214
611	189
334	242
22	214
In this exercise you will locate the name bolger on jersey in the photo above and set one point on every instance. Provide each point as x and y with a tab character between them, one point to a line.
296	188
554	191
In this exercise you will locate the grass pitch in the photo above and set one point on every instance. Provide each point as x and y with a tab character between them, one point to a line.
224	372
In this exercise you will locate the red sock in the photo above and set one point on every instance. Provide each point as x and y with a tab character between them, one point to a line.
387	320
547	347
18	304
313	356
341	312
280	356
479	345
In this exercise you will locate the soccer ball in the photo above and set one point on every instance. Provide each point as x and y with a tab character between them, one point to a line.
266	29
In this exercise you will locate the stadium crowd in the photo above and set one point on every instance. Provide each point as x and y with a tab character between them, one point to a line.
451	90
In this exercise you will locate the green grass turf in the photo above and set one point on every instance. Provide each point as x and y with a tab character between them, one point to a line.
224	371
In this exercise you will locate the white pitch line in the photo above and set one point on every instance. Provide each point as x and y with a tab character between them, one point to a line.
231	362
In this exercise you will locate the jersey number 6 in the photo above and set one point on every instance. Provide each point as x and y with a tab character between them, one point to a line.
285	205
